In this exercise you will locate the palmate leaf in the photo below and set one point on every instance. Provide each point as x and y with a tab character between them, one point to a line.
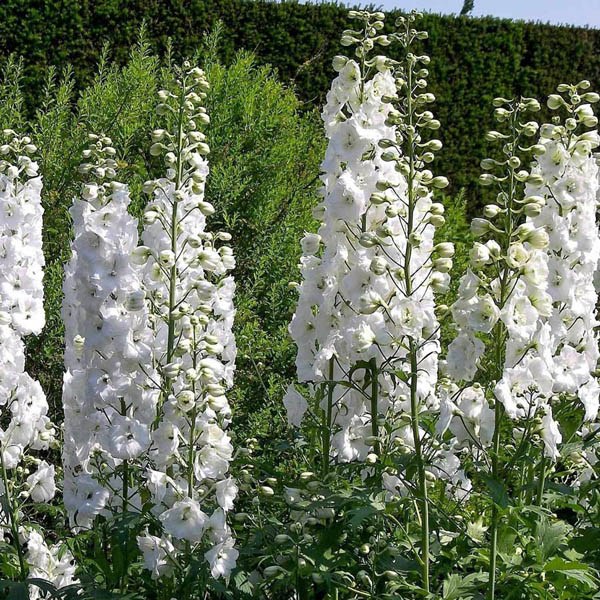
572	570
549	537
453	588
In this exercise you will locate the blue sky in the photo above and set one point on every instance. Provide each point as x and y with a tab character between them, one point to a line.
574	12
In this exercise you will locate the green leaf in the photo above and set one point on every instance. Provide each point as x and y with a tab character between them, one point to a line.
454	588
18	591
497	491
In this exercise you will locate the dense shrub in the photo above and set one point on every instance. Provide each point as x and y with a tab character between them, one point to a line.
475	58
257	129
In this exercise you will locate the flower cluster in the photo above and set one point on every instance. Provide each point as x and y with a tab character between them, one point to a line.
49	563
185	271
366	311
356	311
23	407
569	190
503	298
109	408
22	400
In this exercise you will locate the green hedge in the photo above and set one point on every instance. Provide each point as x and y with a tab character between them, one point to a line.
473	59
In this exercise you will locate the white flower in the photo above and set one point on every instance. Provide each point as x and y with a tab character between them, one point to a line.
550	434
41	484
185	520
464	353
222	558
484	314
588	394
54	564
128	438
226	493
409	318
156	553
295	405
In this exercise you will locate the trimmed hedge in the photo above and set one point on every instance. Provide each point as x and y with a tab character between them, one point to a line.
473	59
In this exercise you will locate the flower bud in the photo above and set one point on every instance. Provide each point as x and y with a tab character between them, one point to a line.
445	249
480	227
491	210
555	101
140	255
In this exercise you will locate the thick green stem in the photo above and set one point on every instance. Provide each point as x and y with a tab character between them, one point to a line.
327	417
173	233
374	405
415	408
495	513
499	341
541	482
423	500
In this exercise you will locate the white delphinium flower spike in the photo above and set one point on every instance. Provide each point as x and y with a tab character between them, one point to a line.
108	405
190	294
26	427
565	204
365	324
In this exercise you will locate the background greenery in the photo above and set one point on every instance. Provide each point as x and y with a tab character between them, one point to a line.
473	59
264	170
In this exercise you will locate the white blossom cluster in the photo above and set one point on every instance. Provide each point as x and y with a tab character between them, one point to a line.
185	270
570	188
368	276
503	298
23	405
109	408
347	306
540	307
53	563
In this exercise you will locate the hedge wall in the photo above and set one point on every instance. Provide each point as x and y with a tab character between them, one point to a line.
473	59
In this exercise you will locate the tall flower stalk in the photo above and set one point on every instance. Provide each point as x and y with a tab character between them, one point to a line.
185	270
503	300
365	325
108	405
25	427
423	267
569	190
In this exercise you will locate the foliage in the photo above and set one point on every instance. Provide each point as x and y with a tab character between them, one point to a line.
475	59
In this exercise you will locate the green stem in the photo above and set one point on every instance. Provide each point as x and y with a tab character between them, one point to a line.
495	513
173	273
13	518
327	417
499	335
374	405
422	500
541	481
422	497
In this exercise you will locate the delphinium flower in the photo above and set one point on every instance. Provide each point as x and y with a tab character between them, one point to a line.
366	313
568	193
109	408
53	563
340	320
25	427
190	294
500	378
